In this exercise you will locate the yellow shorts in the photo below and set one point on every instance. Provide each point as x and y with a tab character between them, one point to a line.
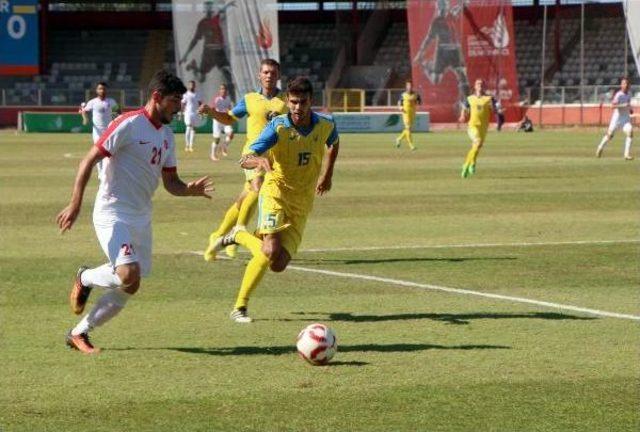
477	134
274	217
407	119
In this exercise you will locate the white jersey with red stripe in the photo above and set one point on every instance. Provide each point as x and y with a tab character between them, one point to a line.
190	102
622	98
101	110
222	104
136	151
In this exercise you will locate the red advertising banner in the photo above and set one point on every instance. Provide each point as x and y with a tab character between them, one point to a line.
455	42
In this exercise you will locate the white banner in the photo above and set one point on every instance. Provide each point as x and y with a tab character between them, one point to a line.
632	13
223	41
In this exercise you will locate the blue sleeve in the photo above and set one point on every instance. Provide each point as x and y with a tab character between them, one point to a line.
333	136
240	110
267	139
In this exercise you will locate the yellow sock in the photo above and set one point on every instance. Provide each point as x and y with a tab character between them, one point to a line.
476	151
249	241
401	136
229	220
472	155
409	137
247	208
255	270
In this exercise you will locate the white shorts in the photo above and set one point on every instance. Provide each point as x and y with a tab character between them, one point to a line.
97	133
620	122
125	242
218	128
192	119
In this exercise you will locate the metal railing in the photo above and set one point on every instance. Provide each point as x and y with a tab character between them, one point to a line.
62	97
547	95
565	95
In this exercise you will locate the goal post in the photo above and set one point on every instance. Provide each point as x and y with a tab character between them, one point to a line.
345	100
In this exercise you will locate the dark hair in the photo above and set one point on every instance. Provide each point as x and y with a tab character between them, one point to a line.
102	83
191	81
269	62
166	83
624	78
300	85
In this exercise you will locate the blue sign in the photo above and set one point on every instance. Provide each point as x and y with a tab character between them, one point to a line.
19	37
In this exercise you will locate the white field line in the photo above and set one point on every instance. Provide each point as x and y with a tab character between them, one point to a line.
470	245
432	287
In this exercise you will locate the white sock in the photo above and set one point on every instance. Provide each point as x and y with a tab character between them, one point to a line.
107	306
192	136
214	148
627	146
102	276
605	140
186	136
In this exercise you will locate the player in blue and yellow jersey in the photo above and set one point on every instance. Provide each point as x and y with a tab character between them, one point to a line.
259	107
408	104
477	109
290	150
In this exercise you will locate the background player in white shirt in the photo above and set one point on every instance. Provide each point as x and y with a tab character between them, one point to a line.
620	119
136	150
101	108
191	100
221	103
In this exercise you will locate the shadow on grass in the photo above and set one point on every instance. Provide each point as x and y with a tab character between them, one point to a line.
449	318
396	260
290	349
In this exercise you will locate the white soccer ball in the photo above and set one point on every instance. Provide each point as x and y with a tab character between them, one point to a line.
317	344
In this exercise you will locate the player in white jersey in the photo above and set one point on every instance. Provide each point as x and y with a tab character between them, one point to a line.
101	108
620	119
136	150
191	100
221	103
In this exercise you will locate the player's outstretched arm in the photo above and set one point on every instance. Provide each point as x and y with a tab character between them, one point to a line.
175	186
325	179
69	214
222	117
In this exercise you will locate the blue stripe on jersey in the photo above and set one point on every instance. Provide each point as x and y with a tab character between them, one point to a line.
269	136
240	110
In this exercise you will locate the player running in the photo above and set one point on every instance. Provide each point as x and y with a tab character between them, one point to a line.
191	101
408	103
136	150
101	108
260	106
221	103
291	150
477	109
620	119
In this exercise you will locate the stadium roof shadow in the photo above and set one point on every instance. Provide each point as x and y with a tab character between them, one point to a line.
449	318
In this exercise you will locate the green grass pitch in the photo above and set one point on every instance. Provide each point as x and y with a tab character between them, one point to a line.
543	219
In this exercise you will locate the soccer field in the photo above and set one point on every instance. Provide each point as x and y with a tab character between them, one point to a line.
504	302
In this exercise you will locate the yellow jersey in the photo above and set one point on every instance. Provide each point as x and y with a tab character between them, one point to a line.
259	109
296	159
409	102
480	108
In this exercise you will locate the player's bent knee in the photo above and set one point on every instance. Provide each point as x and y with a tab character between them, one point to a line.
272	251
280	264
132	289
129	274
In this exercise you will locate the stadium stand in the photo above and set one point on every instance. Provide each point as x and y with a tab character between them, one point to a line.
125	58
